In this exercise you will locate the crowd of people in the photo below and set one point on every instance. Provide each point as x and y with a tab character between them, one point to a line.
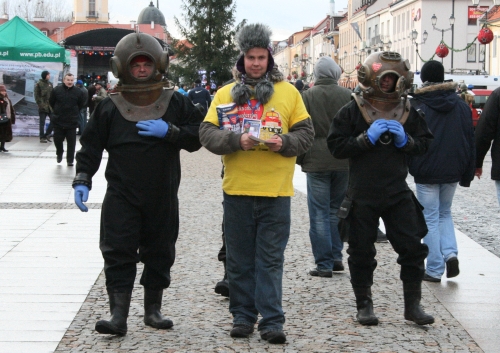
356	149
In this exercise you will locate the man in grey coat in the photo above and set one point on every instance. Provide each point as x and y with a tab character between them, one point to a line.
327	176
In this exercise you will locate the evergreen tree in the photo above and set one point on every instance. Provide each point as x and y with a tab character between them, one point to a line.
209	41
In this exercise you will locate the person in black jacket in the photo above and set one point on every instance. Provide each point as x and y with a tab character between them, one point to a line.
200	95
450	160
487	130
143	126
66	101
377	131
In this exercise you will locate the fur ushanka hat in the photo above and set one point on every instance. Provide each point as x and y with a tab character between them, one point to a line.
262	88
254	36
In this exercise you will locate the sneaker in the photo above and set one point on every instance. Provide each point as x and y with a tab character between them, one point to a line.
43	140
274	337
452	269
320	273
48	139
70	164
338	266
430	278
59	159
241	331
222	288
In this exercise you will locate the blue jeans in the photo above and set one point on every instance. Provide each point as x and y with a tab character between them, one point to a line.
43	117
325	192
437	200
497	183
257	231
83	119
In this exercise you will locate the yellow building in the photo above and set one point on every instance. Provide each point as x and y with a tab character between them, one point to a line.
90	11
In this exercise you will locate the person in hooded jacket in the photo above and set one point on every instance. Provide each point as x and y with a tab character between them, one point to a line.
327	176
449	161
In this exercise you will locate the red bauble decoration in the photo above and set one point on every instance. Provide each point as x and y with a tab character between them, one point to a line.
358	66
289	77
485	35
303	74
442	51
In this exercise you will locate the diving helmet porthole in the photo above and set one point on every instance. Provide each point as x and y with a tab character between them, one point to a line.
387	81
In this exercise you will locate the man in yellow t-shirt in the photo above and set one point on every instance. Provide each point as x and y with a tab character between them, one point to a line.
259	140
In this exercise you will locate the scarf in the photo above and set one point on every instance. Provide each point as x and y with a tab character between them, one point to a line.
261	88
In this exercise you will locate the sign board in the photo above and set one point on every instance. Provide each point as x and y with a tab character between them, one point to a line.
20	77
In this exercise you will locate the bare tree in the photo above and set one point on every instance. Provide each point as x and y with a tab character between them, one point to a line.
49	10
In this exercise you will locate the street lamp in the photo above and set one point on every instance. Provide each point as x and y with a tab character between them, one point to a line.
414	35
382	45
452	23
475	3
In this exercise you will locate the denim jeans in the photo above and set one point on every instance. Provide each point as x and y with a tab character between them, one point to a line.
257	231
437	200
325	192
497	183
42	132
83	119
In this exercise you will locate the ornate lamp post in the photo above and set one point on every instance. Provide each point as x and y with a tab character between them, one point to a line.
475	3
452	23
414	35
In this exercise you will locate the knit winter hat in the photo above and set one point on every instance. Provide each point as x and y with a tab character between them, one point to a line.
254	36
299	84
3	88
44	74
432	71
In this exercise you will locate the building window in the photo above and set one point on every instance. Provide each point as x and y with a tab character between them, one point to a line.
92	11
471	54
45	32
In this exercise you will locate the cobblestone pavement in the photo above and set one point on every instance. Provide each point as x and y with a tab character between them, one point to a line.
320	312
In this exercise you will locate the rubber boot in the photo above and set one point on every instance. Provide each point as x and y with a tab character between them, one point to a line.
119	304
222	287
152	306
413	311
364	304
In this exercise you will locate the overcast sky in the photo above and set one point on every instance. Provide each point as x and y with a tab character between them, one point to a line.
285	17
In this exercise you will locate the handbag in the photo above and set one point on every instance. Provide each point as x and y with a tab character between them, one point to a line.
4	119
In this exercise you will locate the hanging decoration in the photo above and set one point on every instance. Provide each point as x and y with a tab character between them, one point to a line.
485	35
442	50
358	66
303	74
289	77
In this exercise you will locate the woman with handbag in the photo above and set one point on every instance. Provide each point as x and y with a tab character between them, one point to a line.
7	118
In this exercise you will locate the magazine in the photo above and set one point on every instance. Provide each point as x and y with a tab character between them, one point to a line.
228	117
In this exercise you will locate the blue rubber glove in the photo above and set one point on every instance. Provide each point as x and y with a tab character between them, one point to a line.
400	137
377	128
156	128
81	196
